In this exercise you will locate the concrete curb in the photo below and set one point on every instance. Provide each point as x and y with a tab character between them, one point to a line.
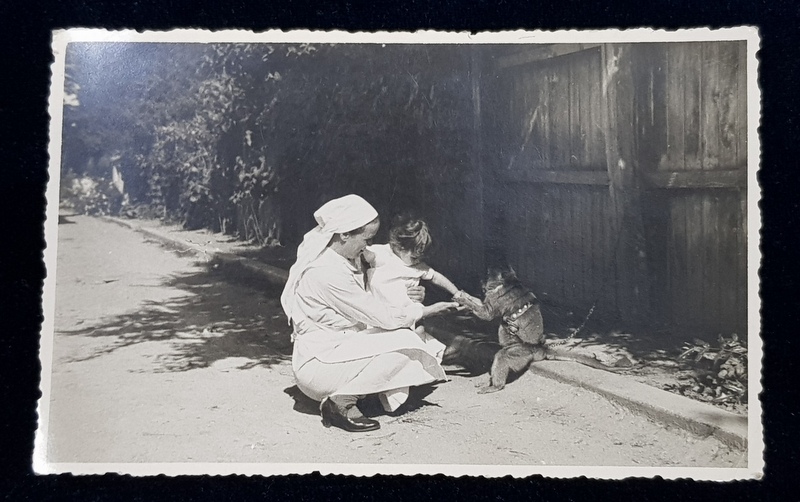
659	405
231	265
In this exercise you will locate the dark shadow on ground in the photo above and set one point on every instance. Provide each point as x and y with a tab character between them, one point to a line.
370	405
277	256
211	320
478	339
302	403
654	350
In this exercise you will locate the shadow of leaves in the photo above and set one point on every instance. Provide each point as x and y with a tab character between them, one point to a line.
208	322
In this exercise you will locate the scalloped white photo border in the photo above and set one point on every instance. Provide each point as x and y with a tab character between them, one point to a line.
755	462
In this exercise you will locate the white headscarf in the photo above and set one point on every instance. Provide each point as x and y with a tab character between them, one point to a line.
334	217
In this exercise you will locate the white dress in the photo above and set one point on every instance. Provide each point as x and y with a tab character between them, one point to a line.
389	279
347	342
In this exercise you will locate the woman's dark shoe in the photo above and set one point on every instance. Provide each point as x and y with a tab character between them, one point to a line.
332	415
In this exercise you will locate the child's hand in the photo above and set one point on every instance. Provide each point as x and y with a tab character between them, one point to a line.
368	257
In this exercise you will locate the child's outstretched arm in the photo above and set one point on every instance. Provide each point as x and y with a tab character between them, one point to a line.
443	282
462	297
479	308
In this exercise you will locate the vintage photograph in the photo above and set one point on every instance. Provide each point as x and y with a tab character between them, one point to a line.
483	254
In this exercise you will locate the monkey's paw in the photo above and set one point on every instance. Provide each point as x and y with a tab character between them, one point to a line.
468	301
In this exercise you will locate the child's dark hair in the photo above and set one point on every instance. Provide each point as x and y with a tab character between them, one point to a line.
410	234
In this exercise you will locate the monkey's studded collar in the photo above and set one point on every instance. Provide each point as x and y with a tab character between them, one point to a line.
516	315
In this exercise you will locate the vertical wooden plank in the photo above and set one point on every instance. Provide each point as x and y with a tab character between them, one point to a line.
671	263
597	250
728	103
693	106
606	224
545	268
711	237
653	152
574	203
711	102
476	234
545	117
499	97
547	240
580	218
512	244
594	245
532	241
650	102
678	251
584	83
741	263
674	158
562	249
605	228
741	105
574	115
530	256
695	252
571	201
621	158
559	251
566	249
568	198
526	198
614	241
727	241
590	245
556	251
541	126
659	97
510	136
521	102
586	216
732	267
596	118
557	110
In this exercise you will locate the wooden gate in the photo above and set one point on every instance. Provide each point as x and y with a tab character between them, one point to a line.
619	175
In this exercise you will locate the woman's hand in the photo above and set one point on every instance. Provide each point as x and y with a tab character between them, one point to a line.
440	308
416	293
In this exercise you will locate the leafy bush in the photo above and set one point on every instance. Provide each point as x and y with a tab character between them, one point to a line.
720	372
91	196
218	135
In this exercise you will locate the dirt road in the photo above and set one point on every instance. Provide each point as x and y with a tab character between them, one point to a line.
156	360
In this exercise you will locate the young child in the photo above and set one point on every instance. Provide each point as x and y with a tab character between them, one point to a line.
397	265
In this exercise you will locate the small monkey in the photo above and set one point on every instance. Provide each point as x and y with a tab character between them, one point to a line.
521	332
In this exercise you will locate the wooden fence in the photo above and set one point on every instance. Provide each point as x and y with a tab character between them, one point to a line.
607	175
619	175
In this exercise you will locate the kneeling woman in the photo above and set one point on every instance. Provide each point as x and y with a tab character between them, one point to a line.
336	357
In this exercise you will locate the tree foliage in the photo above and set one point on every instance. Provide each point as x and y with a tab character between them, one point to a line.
247	137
